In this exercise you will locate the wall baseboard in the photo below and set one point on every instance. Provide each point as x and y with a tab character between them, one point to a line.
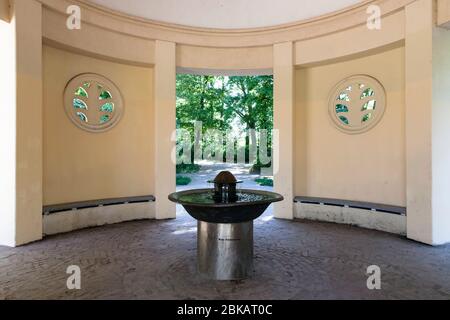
71	220
376	220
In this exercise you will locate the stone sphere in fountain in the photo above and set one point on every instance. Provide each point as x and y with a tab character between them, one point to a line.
225	187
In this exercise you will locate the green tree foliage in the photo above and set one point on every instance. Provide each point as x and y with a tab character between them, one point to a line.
251	99
199	99
220	102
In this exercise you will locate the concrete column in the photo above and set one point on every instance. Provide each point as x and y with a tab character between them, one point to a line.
165	125
427	125
4	10
21	130
283	72
443	10
8	135
441	136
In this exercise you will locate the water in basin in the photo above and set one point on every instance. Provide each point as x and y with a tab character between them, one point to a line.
206	197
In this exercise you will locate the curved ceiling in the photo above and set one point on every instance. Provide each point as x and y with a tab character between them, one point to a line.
227	14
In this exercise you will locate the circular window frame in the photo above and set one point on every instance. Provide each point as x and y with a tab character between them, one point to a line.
94	78
380	98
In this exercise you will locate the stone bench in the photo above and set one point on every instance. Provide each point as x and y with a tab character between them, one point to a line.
369	215
67	217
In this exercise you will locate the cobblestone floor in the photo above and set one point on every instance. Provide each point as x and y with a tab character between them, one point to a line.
157	260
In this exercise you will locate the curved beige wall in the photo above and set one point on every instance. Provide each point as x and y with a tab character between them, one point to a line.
364	167
141	55
226	59
79	165
229	14
4	10
109	36
96	41
298	31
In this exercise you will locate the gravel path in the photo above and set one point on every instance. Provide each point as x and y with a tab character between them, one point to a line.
209	170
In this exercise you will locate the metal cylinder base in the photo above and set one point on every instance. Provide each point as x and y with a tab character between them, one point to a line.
225	250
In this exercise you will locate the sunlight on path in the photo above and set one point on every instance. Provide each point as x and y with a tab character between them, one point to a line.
210	169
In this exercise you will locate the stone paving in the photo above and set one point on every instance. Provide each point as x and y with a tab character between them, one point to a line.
293	260
209	170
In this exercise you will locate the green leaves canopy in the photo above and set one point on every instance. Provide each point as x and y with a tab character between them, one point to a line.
225	103
219	101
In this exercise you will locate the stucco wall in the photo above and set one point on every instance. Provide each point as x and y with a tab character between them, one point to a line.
364	167
441	136
79	165
4	10
8	135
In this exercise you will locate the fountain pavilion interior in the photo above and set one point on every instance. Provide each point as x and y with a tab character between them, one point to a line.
363	185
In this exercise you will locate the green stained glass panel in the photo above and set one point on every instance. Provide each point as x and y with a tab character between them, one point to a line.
367	117
367	93
107	107
82	117
343	97
343	119
79	104
81	92
370	105
105	95
341	108
104	118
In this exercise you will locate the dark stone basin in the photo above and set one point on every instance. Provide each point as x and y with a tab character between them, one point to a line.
200	205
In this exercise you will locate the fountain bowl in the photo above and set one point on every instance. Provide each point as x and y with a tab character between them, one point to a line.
225	217
251	204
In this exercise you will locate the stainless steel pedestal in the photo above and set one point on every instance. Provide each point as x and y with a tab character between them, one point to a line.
225	250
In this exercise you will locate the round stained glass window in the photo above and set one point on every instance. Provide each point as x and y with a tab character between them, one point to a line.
357	104
93	103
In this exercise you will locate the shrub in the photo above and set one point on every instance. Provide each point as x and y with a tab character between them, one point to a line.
183	181
265	182
188	168
256	168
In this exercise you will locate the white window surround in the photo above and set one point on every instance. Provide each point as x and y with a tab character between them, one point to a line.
357	104
93	103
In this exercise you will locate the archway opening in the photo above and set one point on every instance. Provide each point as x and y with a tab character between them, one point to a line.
224	123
